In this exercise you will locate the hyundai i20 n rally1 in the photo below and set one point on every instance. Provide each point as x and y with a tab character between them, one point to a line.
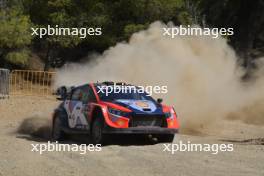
88	109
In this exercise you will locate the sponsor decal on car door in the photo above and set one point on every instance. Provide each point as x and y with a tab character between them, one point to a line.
76	114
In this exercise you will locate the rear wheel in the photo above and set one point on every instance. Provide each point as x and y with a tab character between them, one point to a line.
57	133
166	138
97	131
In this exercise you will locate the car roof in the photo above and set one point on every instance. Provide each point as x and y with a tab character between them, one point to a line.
105	83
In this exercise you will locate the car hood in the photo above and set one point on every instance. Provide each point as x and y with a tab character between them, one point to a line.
140	106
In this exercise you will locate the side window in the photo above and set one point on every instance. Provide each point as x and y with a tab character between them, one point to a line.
76	95
87	94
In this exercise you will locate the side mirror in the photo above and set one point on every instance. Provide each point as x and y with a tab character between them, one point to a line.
61	93
159	100
60	99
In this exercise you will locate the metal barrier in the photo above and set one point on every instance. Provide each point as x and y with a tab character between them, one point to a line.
29	82
4	83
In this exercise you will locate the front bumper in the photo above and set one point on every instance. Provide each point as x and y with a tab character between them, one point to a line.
140	130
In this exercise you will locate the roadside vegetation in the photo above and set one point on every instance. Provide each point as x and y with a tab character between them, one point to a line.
118	20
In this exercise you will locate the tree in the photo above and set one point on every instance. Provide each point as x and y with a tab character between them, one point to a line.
247	19
15	37
117	18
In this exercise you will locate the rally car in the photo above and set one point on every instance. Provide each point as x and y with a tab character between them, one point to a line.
88	109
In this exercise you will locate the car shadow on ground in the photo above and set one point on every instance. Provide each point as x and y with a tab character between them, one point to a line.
121	140
39	130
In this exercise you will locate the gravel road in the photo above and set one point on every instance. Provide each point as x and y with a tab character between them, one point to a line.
22	116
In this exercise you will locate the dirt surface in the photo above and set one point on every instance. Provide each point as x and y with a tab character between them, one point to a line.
22	116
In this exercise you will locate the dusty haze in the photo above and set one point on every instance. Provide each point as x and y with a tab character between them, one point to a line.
202	75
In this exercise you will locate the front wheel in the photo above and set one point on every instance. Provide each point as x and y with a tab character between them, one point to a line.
97	131
57	133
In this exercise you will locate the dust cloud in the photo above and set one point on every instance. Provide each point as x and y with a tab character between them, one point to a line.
202	74
36	126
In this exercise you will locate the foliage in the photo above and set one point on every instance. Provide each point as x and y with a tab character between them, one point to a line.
14	36
18	57
119	19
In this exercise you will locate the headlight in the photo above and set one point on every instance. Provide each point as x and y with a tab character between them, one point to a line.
170	114
117	112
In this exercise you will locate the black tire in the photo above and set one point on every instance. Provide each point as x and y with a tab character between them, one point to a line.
57	132
166	138
97	131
